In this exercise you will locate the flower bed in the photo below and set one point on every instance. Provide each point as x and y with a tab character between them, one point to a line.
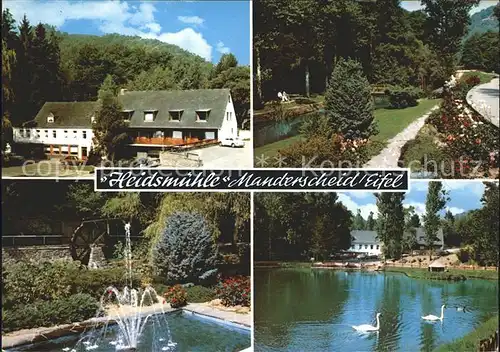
176	296
234	291
468	146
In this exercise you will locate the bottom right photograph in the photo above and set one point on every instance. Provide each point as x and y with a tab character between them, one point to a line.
363	271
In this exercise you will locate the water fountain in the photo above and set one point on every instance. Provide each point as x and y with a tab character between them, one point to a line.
128	309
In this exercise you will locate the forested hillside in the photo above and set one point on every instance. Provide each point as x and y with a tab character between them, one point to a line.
483	21
40	64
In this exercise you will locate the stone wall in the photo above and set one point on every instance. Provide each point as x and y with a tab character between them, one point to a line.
36	254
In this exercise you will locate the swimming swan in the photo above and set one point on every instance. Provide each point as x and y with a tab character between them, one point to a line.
433	317
367	327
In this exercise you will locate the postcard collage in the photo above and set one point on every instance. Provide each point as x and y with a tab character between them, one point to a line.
284	91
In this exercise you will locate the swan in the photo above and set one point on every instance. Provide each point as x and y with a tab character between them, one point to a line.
433	317
367	327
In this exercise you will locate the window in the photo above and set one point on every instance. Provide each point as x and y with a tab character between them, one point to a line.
127	115
202	115
229	98
177	134
28	133
378	246
50	118
92	119
149	115
360	246
175	115
371	246
38	133
75	135
54	134
65	134
366	246
46	133
84	134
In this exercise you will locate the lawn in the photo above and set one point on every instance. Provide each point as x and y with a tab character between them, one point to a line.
470	342
483	76
390	123
451	274
47	168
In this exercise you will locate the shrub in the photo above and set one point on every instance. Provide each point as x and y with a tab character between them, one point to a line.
176	296
26	283
320	151
186	252
400	98
200	294
75	308
234	291
348	101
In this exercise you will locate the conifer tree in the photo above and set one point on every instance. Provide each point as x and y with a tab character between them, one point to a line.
348	101
436	200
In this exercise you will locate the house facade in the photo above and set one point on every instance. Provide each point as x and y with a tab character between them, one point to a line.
61	129
366	242
155	120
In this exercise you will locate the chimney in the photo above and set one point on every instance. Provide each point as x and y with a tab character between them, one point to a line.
122	91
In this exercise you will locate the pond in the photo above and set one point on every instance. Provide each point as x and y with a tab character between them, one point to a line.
315	309
266	132
189	333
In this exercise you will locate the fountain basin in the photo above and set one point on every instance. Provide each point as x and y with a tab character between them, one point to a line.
189	331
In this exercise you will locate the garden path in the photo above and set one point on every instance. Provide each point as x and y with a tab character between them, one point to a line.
389	156
488	93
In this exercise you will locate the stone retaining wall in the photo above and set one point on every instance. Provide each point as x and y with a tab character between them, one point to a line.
36	254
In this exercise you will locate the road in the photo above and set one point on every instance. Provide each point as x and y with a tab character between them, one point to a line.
218	157
484	98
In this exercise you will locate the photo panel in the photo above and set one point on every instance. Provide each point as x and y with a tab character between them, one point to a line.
377	271
124	271
377	84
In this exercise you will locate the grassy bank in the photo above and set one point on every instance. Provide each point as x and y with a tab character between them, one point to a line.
451	274
470	342
273	264
390	123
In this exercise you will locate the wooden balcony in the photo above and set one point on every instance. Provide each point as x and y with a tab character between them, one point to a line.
168	141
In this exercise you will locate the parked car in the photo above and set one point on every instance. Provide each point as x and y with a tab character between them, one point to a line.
145	163
72	160
232	142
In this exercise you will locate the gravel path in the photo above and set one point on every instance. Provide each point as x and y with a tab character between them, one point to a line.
485	98
389	156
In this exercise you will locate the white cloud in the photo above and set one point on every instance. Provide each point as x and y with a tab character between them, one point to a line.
195	20
455	210
110	17
416	5
353	206
221	48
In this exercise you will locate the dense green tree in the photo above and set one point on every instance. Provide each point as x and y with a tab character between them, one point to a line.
487	233
359	222
86	202
447	22
226	62
371	222
157	78
412	223
348	101
450	235
436	200
109	125
480	51
391	223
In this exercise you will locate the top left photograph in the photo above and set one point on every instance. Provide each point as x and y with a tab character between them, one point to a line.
124	84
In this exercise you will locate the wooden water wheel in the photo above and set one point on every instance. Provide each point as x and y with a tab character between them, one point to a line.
93	233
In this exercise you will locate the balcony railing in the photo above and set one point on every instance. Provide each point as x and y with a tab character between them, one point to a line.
168	141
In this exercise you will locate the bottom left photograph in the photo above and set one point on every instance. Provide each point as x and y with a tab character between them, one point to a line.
85	270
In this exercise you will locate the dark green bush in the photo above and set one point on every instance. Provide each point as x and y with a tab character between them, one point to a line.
400	98
75	308
200	294
25	283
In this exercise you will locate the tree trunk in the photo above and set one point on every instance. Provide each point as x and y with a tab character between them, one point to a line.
259	76
307	79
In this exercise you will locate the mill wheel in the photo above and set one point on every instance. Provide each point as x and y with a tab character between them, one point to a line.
88	234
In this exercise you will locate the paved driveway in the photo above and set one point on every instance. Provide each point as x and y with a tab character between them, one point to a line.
484	98
218	157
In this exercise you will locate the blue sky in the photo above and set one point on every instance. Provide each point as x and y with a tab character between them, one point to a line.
464	196
416	5
206	28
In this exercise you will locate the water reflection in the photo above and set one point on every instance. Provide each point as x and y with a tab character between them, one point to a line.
304	309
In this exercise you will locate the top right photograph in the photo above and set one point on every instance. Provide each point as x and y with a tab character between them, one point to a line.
378	84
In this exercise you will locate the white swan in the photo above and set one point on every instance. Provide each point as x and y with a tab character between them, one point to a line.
367	327
433	317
